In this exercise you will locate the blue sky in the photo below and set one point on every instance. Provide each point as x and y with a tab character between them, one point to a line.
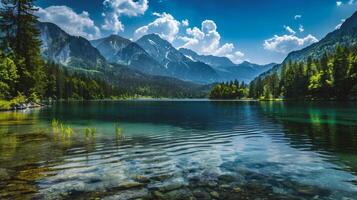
260	31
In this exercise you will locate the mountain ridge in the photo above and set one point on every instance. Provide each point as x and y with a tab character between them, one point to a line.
176	64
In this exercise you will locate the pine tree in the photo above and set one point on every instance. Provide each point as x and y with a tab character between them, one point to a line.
340	69
23	39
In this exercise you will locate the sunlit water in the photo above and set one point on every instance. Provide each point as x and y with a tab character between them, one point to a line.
180	150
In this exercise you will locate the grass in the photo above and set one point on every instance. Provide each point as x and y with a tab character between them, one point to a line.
119	132
90	131
59	127
66	130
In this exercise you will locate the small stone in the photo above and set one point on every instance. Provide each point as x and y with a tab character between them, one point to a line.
201	194
130	194
142	179
214	194
158	195
131	184
180	194
225	186
237	189
4	175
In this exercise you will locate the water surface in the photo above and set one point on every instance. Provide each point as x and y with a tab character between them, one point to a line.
180	150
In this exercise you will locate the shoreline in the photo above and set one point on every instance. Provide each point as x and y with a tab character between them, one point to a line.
23	106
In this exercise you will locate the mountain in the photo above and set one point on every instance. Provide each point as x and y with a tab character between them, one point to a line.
227	70
119	50
175	63
110	46
213	61
80	57
245	71
67	50
345	36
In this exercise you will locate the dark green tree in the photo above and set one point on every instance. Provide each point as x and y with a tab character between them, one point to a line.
22	36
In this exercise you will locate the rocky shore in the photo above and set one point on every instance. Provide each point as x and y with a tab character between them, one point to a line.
23	106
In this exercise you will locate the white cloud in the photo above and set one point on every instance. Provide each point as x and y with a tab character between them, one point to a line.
289	29
206	41
296	17
350	2
301	28
118	8
73	23
185	22
288	43
165	25
340	24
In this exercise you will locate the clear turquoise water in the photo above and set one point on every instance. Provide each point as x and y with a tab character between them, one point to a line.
181	150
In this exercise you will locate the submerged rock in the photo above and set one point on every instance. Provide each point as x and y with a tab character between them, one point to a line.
130	184
214	194
4	174
180	194
130	194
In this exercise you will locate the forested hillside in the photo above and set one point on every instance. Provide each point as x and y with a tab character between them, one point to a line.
333	76
51	64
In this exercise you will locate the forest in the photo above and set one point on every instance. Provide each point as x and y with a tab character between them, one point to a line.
229	90
331	77
26	76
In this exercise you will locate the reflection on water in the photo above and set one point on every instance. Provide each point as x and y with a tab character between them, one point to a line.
180	150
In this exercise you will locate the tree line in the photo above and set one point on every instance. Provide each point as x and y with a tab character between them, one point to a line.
229	90
23	72
331	77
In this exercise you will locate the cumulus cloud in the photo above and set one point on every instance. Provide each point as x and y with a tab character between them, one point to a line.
78	24
296	17
166	26
338	3
206	41
288	43
340	24
185	22
117	8
289	29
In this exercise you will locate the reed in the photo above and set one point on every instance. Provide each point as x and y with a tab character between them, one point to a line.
90	131
119	132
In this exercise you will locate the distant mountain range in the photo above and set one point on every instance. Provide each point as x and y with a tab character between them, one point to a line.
226	69
78	55
146	58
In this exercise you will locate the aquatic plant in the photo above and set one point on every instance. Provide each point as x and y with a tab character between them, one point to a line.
69	131
90	131
119	132
54	123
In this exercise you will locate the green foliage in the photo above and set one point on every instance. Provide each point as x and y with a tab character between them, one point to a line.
331	77
119	132
5	105
19	99
90	131
22	37
8	76
229	90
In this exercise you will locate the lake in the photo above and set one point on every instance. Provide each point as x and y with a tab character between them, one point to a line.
180	150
